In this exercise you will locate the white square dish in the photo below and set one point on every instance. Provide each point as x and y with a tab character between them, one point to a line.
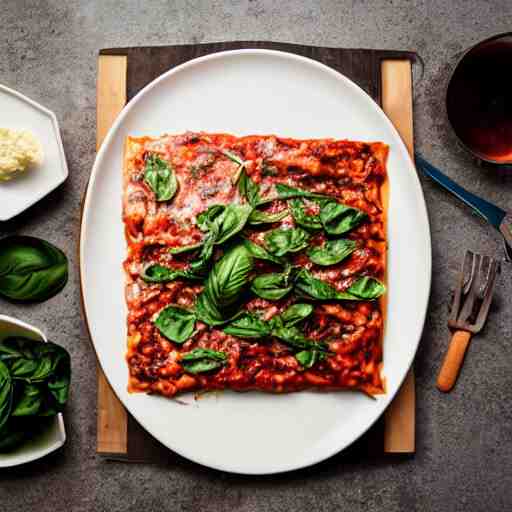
50	439
21	113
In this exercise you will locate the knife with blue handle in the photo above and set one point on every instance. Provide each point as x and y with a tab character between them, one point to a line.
498	218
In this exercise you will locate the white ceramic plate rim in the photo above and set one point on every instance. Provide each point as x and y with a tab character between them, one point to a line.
64	166
425	279
15	459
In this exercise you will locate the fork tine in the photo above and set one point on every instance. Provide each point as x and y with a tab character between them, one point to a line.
472	295
462	281
488	290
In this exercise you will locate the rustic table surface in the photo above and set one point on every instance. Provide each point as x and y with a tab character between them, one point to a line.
464	453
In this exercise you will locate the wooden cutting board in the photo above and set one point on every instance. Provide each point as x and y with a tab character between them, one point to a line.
122	72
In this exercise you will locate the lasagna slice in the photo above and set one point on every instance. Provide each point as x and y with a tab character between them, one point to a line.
254	263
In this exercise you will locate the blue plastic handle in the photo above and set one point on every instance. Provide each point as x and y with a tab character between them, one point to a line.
488	211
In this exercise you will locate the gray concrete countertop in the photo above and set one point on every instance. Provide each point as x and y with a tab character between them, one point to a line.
464	449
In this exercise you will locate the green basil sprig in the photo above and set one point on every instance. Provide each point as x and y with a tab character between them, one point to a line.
160	177
237	160
156	273
292	335
287	192
34	382
363	288
31	269
281	241
225	282
202	360
338	218
176	324
332	251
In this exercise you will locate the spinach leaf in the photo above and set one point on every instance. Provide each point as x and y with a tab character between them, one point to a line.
301	218
5	394
249	189
367	288
273	286
224	284
296	313
338	218
307	358
257	217
281	241
363	288
31	269
160	177
202	360
176	324
260	253
332	251
294	337
248	326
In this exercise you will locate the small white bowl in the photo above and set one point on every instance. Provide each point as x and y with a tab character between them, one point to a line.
51	438
21	113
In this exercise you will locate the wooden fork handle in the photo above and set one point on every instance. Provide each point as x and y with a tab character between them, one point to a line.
453	360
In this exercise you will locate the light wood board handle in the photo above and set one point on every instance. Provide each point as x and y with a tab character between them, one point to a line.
453	360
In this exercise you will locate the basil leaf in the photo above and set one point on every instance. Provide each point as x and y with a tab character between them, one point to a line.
363	288
223	222
257	217
332	251
232	221
338	218
186	248
307	358
248	326
156	273
367	288
286	192
236	159
259	252
224	285
5	394
29	402
202	360
301	218
310	286
294	337
296	313
249	189
160	177
232	156
207	218
176	324
273	286
42	373
281	241
31	269
11	436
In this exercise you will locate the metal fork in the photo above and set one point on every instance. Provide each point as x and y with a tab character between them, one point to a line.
471	303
